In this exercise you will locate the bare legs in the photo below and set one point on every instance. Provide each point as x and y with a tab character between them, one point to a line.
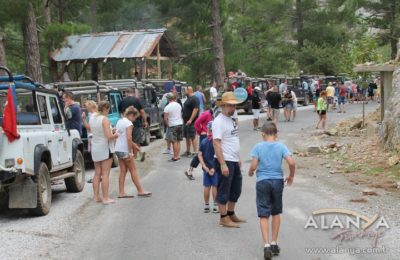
207	194
102	176
176	146
125	165
322	119
264	225
191	142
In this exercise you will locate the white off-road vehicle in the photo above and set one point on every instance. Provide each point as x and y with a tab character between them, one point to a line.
46	150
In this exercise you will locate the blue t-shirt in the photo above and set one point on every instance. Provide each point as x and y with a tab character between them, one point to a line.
270	156
207	151
199	96
74	117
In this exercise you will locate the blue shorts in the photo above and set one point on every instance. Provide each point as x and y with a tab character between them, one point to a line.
209	180
269	197
341	100
229	187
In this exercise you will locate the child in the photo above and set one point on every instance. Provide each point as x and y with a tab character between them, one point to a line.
321	110
267	160
210	179
124	149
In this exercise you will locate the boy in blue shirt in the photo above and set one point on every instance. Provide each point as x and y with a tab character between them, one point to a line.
267	161
210	178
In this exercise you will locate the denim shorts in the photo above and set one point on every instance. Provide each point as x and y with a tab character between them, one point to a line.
229	187
341	100
209	180
122	155
269	197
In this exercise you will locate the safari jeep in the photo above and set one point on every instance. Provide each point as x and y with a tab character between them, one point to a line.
45	151
91	90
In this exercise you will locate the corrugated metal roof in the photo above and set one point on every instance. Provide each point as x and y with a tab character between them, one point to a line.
124	44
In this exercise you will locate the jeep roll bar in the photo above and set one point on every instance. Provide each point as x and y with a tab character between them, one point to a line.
17	80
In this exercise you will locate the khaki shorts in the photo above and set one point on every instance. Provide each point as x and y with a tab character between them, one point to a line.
275	113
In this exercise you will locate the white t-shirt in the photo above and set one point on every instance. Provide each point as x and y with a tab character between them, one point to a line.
226	129
294	97
174	111
121	144
213	93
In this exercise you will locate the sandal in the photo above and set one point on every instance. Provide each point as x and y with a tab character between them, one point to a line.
146	194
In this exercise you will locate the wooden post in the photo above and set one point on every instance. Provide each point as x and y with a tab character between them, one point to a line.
100	71
158	61
144	68
170	72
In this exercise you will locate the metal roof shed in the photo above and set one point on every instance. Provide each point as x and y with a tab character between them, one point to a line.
98	48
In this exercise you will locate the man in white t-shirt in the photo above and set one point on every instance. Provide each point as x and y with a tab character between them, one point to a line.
227	163
213	92
174	122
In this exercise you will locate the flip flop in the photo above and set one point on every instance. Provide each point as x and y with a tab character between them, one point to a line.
125	197
147	194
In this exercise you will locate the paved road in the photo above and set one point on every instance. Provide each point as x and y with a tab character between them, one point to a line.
171	224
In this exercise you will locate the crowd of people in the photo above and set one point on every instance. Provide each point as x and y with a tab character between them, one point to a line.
211	133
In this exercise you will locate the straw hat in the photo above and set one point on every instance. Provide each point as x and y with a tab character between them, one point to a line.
228	98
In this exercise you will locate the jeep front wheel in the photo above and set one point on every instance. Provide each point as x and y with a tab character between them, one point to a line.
77	182
147	137
43	192
160	131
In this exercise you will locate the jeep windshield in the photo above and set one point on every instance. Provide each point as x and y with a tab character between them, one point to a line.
26	110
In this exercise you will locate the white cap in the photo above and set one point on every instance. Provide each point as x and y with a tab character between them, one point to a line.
257	88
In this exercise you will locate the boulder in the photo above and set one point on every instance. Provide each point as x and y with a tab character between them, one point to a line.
314	149
393	160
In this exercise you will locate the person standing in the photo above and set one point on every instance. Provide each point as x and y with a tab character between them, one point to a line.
287	103
213	93
266	161
330	93
342	98
201	129
124	149
173	120
190	112
140	124
73	113
321	110
91	107
256	106
201	98
294	108
240	77
274	99
227	163
210	178
102	153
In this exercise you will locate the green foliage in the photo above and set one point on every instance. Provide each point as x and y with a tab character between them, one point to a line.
55	33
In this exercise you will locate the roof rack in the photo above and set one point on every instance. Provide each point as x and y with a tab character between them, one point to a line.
20	81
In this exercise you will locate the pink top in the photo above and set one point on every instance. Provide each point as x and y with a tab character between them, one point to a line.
201	123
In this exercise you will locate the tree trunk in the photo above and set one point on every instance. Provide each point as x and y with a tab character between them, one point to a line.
60	11
53	69
299	25
46	12
31	45
218	47
3	61
393	29
93	15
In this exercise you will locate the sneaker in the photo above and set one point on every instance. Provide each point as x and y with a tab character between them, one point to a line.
215	210
267	253
189	176
206	209
227	222
275	249
174	160
167	151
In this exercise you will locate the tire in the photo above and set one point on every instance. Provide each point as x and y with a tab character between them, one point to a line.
147	136
43	192
160	132
77	183
115	162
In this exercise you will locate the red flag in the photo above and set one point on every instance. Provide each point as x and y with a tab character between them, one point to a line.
10	118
